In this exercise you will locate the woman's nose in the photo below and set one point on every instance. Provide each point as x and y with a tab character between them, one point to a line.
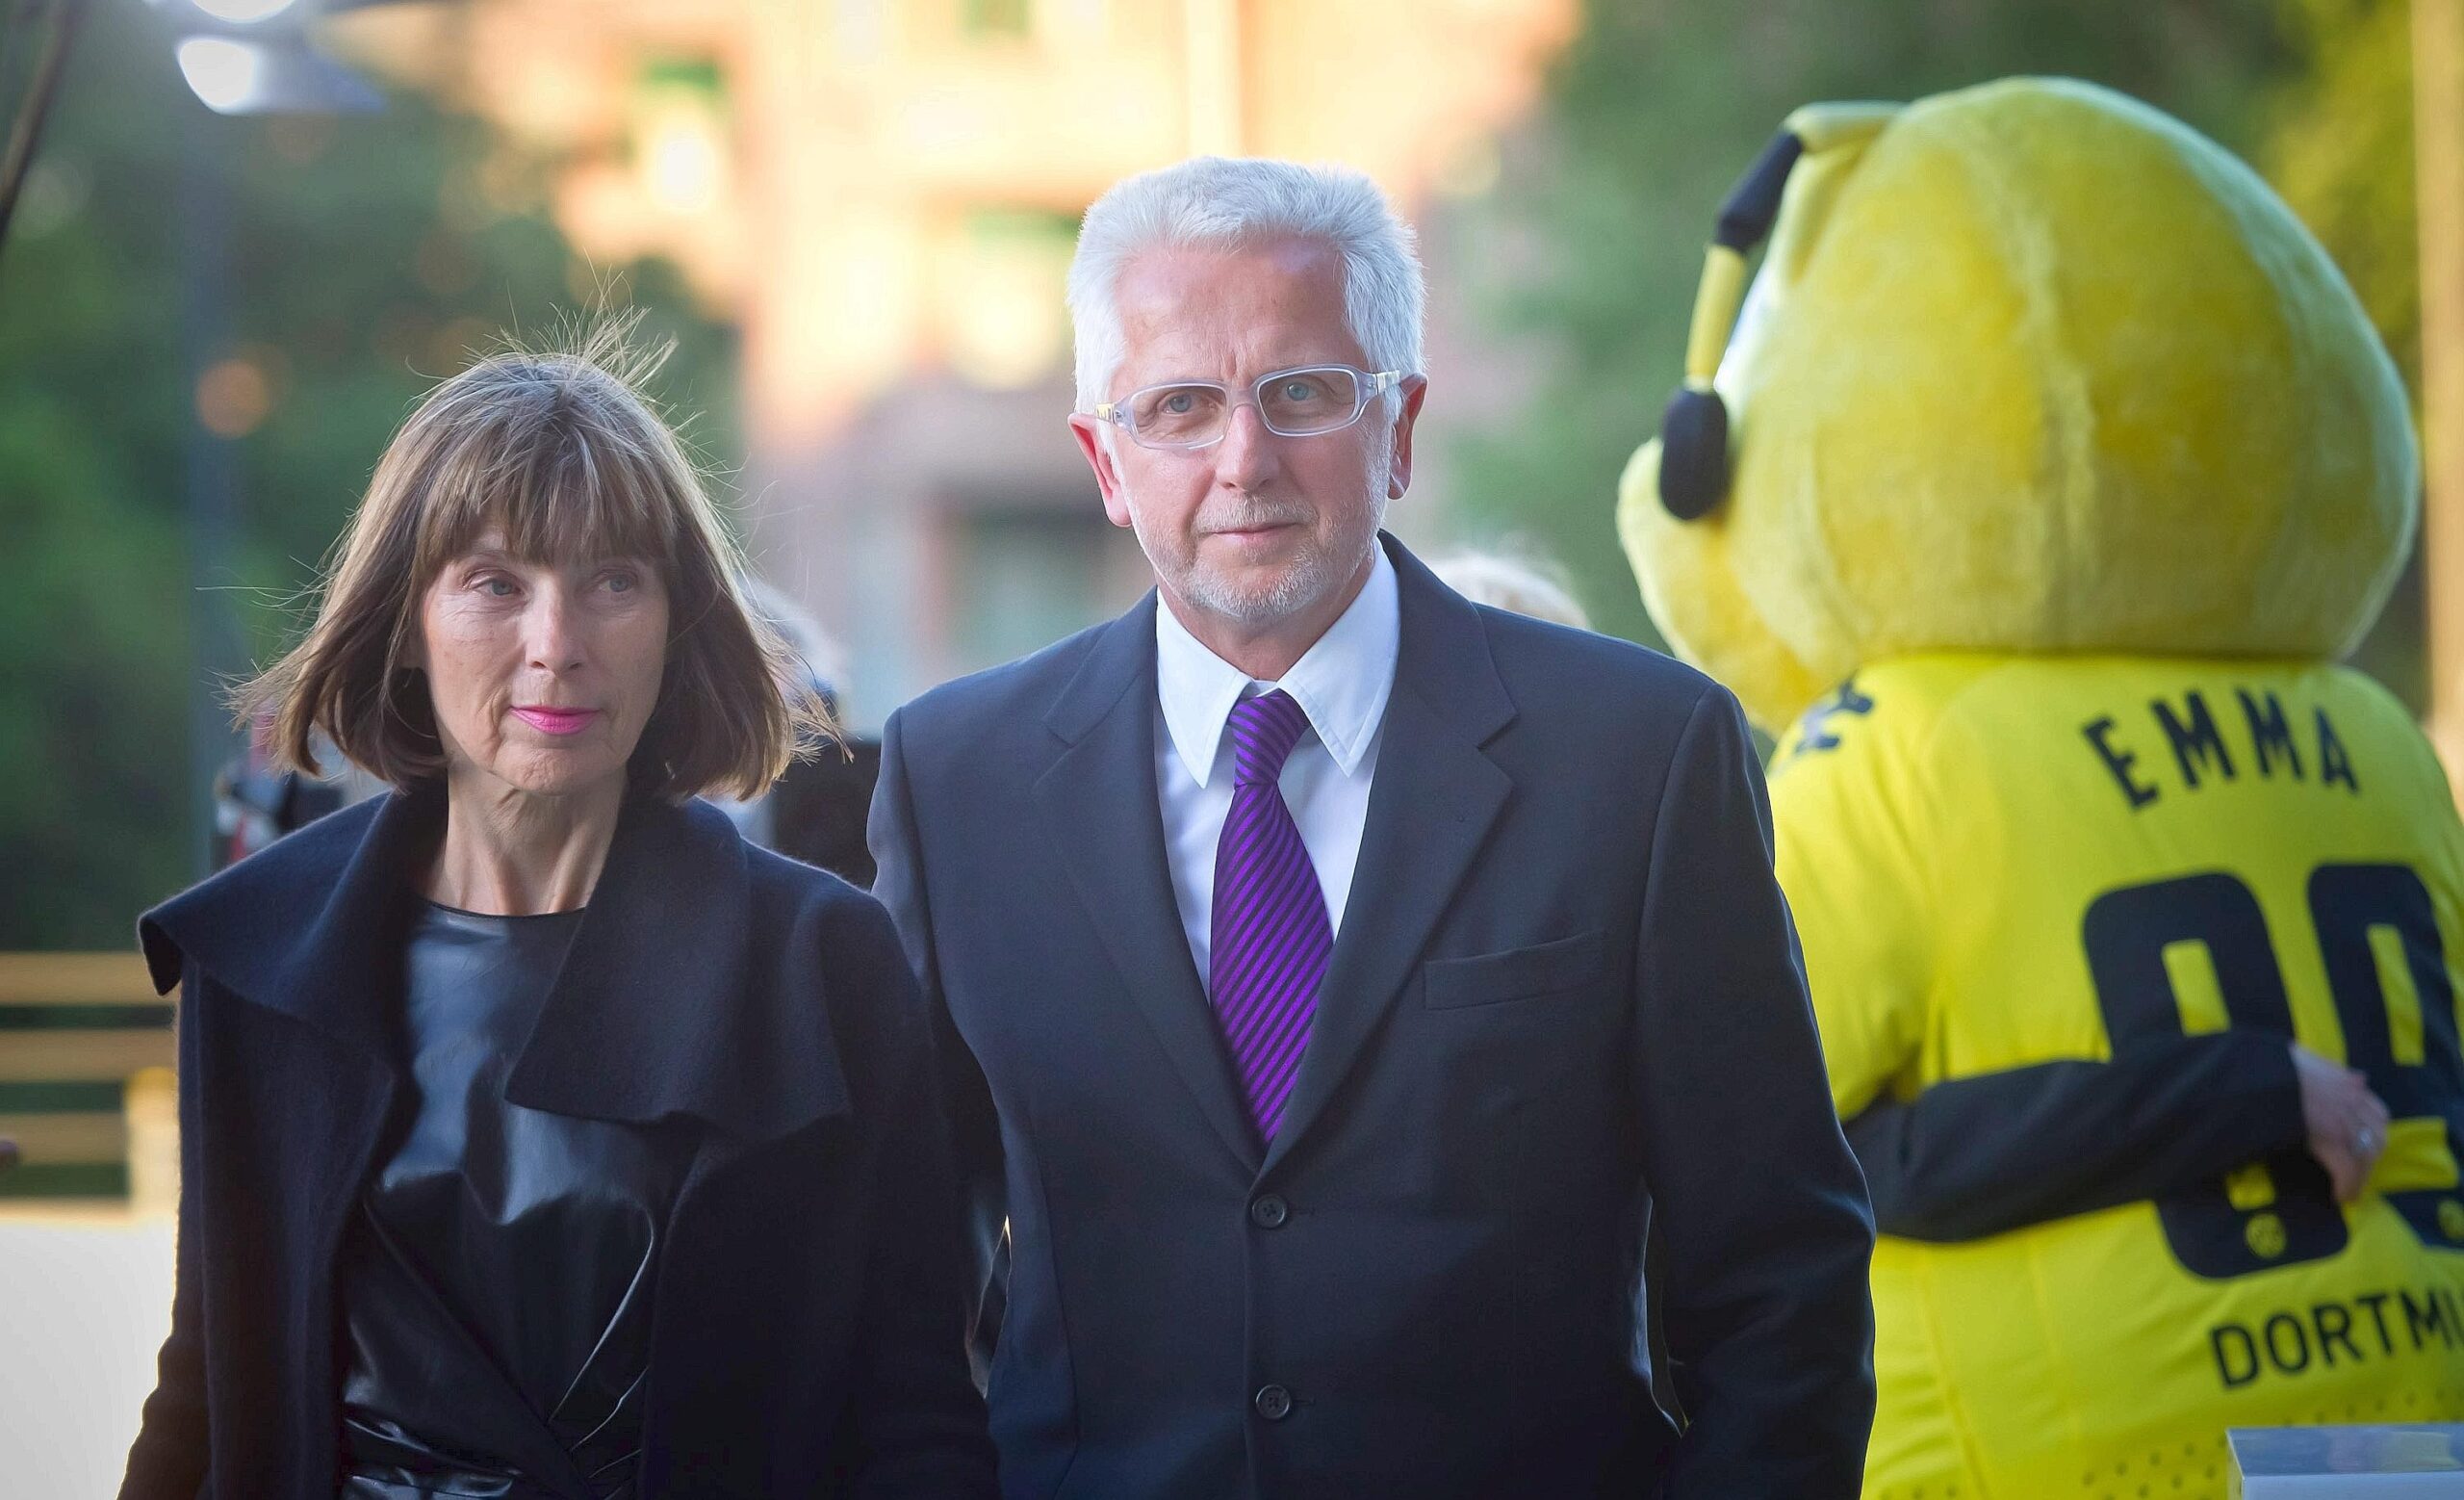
556	633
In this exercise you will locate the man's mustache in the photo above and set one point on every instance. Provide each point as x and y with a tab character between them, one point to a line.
1253	514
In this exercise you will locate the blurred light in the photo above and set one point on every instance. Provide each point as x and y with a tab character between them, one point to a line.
232	397
1006	330
998	296
276	76
244	13
684	160
55	193
223	73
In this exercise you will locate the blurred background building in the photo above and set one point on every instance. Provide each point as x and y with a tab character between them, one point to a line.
882	196
854	217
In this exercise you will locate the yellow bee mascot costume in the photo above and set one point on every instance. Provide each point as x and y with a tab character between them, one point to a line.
2048	470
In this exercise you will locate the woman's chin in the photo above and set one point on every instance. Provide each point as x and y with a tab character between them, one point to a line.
553	772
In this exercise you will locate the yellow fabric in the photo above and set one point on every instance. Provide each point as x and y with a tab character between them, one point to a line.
1715	307
1826	127
2056	436
2031	367
1945	826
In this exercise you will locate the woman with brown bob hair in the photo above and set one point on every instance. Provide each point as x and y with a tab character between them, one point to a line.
539	1137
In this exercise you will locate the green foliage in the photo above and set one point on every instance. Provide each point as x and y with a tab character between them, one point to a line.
2339	146
368	256
1656	111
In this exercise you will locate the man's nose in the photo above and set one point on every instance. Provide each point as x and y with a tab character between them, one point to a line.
1248	453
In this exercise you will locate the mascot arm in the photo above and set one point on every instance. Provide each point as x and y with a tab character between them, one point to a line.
1997	1152
1766	1315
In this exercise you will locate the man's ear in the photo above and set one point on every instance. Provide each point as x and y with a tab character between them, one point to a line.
1399	473
1090	434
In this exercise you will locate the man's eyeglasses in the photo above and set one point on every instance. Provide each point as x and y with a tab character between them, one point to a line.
1297	403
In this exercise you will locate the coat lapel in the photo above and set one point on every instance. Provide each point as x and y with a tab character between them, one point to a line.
292	928
1431	808
654	1013
1099	805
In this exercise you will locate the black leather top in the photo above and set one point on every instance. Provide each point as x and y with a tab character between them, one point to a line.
497	1283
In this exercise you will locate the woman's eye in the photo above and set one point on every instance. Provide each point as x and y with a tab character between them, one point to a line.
621	582
497	585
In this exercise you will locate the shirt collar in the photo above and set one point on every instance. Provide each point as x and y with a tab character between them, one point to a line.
1341	683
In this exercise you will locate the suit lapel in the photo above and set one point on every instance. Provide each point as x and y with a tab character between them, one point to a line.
1431	808
1099	805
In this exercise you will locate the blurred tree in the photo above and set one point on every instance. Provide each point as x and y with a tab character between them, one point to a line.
2338	145
368	256
1658	107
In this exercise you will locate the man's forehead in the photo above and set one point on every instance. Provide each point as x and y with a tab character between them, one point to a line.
1236	303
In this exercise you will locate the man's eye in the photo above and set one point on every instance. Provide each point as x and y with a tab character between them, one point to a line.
1300	390
1179	402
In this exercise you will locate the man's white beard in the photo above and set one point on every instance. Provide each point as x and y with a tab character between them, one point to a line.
1312	574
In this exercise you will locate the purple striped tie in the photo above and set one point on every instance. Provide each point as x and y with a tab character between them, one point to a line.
1269	940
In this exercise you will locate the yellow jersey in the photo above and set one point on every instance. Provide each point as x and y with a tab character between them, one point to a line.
2001	860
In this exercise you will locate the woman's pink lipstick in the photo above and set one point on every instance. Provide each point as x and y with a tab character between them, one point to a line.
557	722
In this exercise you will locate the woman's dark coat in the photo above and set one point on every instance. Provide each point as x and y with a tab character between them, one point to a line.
809	1334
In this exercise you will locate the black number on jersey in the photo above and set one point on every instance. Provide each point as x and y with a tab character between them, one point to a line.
2346	902
2282	1211
1814	729
2251	1223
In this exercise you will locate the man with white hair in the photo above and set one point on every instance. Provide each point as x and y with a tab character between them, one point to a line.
1342	984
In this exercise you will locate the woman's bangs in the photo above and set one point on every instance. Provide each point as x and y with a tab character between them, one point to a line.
573	500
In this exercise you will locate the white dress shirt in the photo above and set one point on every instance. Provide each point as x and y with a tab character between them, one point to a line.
1342	683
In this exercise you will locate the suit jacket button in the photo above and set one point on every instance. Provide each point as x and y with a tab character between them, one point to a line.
1270	1212
1274	1403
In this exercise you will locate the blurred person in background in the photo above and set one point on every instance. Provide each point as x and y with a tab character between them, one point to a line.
540	1137
814	812
259	795
1331	971
1504	581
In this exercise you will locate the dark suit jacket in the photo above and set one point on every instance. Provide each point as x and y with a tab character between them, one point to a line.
808	1331
1565	981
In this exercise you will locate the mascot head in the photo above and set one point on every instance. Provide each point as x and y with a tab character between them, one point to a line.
2027	368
